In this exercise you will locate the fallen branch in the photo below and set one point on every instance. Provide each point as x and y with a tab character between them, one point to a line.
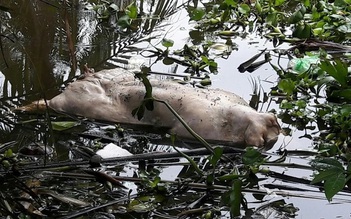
213	188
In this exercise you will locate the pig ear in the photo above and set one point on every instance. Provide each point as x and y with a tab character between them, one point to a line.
273	120
272	131
254	136
273	126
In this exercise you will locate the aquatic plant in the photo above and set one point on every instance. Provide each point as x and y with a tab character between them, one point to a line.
316	99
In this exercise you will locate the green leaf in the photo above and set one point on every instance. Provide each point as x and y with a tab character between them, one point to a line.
154	183
206	82
226	33
168	61
340	3
252	157
296	17
210	63
325	175
149	104
139	111
345	110
325	163
244	9
147	84
344	94
258	7
301	104
278	2
231	3
8	153
197	14
287	86
302	31
337	69
214	158
124	21
197	36
349	168
209	179
285	104
332	172
307	3
272	19
132	11
235	198
64	125
317	31
167	42
334	185
230	176
225	15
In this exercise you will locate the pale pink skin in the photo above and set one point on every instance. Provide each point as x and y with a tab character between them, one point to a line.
216	115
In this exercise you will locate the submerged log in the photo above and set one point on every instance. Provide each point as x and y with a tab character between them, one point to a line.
315	45
216	115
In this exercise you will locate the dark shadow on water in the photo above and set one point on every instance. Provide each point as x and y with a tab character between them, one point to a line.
44	45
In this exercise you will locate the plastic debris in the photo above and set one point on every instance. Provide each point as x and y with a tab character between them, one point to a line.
301	65
111	150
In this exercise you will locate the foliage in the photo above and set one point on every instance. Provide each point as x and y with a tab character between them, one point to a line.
63	125
8	158
333	173
319	98
322	19
124	16
316	98
303	102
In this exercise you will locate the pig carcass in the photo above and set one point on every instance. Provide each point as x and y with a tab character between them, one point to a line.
216	115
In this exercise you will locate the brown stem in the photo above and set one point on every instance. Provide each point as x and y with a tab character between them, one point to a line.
70	40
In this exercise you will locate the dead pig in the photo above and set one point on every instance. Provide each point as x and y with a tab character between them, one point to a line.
216	115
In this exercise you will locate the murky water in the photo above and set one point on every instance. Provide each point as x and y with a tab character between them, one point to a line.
38	57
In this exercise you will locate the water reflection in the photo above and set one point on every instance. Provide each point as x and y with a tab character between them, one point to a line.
45	42
32	30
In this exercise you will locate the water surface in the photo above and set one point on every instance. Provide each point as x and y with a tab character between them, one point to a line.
39	56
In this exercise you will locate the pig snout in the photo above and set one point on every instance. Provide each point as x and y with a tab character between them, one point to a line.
263	131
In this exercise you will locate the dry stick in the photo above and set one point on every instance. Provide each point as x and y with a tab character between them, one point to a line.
166	155
146	156
136	157
7	145
70	40
89	209
175	75
219	188
289	165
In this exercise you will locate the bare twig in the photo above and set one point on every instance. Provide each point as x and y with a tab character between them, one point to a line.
70	40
